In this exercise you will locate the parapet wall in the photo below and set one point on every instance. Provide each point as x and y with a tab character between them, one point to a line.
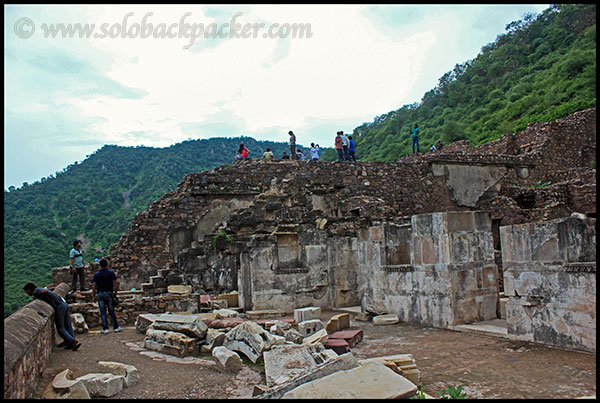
29	336
550	279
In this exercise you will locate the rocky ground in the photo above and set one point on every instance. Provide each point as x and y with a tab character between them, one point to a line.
488	367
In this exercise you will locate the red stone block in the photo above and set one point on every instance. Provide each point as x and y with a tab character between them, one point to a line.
352	337
338	345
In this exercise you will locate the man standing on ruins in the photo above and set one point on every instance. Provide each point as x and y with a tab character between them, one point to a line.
62	315
76	258
345	144
415	138
339	148
103	282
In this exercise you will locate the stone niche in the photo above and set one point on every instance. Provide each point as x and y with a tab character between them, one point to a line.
438	271
550	281
291	270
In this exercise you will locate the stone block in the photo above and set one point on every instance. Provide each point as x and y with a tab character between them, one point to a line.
173	343
214	338
309	313
250	339
78	322
144	321
279	328
76	391
338	322
102	385
223	323
226	313
352	337
180	289
369	381
309	327
189	325
63	380
340	346
283	363
388	319
232	298
226	359
320	336
129	372
265	314
293	335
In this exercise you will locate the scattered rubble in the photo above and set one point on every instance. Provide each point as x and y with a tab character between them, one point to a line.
78	322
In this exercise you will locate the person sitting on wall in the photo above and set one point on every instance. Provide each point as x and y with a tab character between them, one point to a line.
300	154
242	152
285	156
62	314
102	282
432	148
268	155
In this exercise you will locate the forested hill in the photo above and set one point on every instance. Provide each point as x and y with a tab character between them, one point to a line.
541	69
95	201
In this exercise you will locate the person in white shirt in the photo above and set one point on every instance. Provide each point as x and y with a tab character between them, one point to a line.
314	151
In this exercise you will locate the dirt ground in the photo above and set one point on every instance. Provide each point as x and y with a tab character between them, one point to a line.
487	367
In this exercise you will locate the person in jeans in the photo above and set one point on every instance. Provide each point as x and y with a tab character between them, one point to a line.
345	144
105	282
62	315
351	149
415	138
77	270
292	145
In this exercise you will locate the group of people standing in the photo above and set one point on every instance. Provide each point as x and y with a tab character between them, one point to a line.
345	147
105	286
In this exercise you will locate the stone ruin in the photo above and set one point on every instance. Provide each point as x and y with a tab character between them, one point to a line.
460	235
430	237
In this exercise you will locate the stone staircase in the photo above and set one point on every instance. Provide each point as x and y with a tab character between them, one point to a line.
159	284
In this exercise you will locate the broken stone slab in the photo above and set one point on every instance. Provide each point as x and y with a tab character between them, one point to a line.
179	289
309	327
226	359
173	343
339	363
340	346
388	319
293	336
79	325
370	381
76	391
278	327
129	372
214	338
308	313
144	321
232	298
363	316
320	336
102	384
352	337
250	339
265	314
283	363
338	322
190	325
218	304
225	313
403	364
64	380
223	323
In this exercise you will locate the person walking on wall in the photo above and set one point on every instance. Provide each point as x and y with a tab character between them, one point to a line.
351	149
415	138
339	147
292	145
62	314
106	284
77	268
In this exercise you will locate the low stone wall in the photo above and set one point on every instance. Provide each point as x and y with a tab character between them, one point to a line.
437	271
29	336
550	281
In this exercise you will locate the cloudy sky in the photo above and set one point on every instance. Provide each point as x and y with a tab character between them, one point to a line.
158	75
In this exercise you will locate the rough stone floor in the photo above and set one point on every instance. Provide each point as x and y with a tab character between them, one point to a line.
488	367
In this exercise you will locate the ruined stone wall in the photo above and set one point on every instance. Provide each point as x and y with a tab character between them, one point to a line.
438	271
550	279
29	336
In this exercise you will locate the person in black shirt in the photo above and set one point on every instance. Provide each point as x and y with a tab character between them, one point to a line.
103	282
62	316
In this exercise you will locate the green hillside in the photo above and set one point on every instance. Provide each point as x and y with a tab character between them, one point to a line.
541	69
95	201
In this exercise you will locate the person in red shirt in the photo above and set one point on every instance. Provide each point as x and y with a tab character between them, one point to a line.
339	146
242	152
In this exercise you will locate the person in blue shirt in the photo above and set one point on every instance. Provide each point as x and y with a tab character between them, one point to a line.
105	283
314	151
62	315
351	149
415	138
77	269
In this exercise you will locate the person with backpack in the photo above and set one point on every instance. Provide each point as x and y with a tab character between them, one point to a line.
106	284
62	314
